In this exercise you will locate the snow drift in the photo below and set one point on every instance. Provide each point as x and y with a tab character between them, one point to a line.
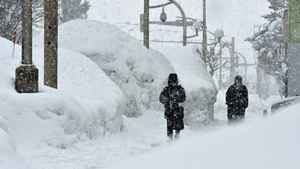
87	103
139	72
8	155
272	143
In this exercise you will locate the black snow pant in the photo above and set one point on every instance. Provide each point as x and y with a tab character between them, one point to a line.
170	128
235	113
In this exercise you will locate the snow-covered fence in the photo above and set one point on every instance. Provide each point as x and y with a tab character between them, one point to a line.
284	103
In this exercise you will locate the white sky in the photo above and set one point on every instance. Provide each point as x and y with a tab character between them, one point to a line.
236	17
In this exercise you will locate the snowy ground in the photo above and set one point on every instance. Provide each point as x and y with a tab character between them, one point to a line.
270	143
146	134
41	144
55	128
141	136
52	149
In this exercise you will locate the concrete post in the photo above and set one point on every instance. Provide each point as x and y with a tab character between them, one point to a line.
146	23
26	74
27	32
50	42
294	48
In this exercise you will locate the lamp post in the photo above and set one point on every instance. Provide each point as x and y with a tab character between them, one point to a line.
26	74
184	22
163	15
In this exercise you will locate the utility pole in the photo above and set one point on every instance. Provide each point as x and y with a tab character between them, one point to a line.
50	42
221	66
146	23
204	40
26	74
232	58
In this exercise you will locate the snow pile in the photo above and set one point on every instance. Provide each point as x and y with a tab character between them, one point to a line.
139	72
200	88
87	103
272	143
8	154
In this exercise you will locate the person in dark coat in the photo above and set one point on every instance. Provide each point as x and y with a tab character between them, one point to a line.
171	97
237	100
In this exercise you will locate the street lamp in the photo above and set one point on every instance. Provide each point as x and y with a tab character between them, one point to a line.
163	15
184	22
219	34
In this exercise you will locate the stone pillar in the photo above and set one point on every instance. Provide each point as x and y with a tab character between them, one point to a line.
26	74
50	42
294	48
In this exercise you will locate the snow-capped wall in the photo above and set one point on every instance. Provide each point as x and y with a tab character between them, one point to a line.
87	102
139	72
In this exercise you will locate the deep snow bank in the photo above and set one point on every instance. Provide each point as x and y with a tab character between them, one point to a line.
272	143
87	102
200	87
9	159
139	72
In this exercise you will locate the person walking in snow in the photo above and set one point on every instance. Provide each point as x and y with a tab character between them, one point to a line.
171	97
237	100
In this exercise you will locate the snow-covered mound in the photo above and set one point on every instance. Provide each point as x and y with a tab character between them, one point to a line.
200	87
272	143
87	102
8	154
139	72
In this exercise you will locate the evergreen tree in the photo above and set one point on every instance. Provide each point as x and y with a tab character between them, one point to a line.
270	43
74	9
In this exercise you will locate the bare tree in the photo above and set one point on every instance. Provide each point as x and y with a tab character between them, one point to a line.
11	15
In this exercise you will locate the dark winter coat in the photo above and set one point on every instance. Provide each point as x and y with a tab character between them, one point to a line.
237	100
171	96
